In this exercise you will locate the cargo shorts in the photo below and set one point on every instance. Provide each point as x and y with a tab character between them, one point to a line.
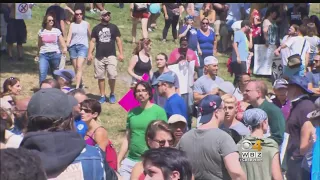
105	65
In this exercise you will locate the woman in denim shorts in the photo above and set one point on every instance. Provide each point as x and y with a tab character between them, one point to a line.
77	42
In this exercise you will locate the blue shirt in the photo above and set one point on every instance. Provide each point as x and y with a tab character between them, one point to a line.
159	100
241	39
192	37
175	105
81	126
206	43
314	78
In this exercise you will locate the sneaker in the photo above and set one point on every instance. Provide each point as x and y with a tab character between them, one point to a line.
150	30
112	99
164	40
102	99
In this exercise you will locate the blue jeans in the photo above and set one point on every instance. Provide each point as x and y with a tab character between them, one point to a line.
46	60
78	50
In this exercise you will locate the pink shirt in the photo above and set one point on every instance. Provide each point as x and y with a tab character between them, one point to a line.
191	56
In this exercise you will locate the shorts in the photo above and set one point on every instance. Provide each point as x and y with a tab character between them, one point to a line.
106	64
16	31
126	167
140	15
78	50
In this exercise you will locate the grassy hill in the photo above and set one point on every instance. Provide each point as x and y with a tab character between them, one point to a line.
113	117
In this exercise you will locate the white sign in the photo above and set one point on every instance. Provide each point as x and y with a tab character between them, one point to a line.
283	146
23	11
185	71
263	58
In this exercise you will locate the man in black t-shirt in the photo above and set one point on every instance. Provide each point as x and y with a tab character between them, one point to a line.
296	14
60	17
104	36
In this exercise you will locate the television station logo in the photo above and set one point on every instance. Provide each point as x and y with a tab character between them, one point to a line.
251	152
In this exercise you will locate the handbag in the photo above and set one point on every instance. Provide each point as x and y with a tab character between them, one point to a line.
295	60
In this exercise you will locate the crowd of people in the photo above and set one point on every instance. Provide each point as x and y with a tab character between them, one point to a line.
241	131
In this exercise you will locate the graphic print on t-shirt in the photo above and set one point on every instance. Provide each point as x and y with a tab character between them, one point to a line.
105	35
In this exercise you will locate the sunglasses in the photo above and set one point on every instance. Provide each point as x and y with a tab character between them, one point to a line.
205	23
162	143
86	110
78	14
50	20
105	15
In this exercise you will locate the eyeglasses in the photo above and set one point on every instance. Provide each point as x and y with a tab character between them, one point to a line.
86	110
78	14
162	143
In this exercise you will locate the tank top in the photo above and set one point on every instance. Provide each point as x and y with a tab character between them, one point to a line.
90	141
142	67
79	33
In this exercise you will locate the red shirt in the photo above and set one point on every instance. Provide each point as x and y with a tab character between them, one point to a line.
191	56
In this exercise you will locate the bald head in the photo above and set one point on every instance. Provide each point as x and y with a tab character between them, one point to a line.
22	104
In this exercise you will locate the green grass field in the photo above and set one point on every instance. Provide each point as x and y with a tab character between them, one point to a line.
113	117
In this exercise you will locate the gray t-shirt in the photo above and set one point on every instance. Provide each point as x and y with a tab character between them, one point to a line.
205	84
206	149
240	128
79	33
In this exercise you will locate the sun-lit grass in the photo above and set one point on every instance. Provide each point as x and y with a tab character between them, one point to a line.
113	117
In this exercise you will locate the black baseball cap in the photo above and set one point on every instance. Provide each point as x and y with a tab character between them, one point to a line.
52	103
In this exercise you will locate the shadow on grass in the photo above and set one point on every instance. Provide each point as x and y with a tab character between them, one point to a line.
122	130
28	66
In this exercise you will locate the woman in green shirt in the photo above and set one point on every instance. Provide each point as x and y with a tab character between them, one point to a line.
137	121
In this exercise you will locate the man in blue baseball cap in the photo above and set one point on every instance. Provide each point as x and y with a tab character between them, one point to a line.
210	147
64	78
175	104
301	105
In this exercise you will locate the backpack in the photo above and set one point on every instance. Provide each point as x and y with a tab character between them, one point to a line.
111	154
140	7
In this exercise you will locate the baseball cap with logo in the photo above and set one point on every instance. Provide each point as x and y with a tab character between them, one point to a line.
280	83
51	103
208	106
210	60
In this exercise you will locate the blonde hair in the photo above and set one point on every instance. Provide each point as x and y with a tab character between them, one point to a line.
228	98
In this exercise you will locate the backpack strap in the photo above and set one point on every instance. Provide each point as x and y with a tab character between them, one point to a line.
303	47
